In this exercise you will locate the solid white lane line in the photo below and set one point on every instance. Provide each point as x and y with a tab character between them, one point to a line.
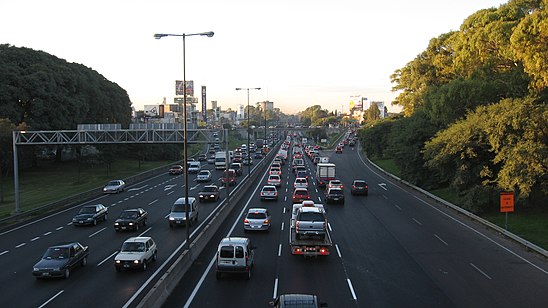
34	239
49	300
280	250
58	228
338	251
47	233
329	225
107	258
484	274
397	206
439	238
282	226
4	252
95	233
351	289
152	202
169	193
418	222
275	294
21	245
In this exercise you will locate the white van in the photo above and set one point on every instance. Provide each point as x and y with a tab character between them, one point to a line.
177	215
234	255
194	167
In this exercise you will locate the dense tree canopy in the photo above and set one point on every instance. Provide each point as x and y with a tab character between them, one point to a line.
48	93
475	107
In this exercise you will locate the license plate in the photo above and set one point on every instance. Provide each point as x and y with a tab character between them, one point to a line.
336	199
126	265
81	222
123	228
45	274
179	222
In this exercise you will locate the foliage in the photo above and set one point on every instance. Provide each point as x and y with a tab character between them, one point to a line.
312	114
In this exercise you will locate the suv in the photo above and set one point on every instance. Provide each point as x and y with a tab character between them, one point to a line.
359	187
177	216
136	252
334	194
209	193
194	167
234	255
310	221
300	183
274	180
269	192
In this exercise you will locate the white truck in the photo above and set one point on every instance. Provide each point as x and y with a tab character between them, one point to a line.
325	172
220	160
308	245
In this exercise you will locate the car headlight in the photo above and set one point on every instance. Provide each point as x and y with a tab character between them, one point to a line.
117	261
35	269
171	218
136	262
116	224
211	196
131	224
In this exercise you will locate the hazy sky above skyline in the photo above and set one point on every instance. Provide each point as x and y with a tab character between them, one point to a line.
300	52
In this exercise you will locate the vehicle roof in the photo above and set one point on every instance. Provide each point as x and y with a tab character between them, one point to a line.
65	244
259	210
138	239
269	187
132	210
92	205
300	179
310	209
300	189
356	181
234	241
298	300
182	200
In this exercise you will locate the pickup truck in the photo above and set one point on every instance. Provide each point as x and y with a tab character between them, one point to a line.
309	235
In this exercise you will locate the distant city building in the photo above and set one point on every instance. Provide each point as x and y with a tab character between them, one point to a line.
267	105
241	113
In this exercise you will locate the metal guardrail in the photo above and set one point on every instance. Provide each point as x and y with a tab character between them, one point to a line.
504	232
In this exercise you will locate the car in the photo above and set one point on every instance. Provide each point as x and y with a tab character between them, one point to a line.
229	177
235	255
90	215
300	183
194	167
238	168
310	221
274	180
302	174
209	193
297	300
248	161
308	203
269	192
258	155
202	157
359	187
131	219
257	219
338	150
211	158
334	194
136	253
352	143
175	170
203	176
114	187
335	183
300	195
275	170
60	259
177	215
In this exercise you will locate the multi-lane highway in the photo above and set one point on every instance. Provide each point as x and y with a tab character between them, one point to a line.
98	283
393	248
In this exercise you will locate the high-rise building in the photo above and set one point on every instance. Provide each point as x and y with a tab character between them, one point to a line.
267	105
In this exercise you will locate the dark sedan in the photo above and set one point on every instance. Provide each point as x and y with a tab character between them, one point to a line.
209	193
90	215
131	220
359	187
60	259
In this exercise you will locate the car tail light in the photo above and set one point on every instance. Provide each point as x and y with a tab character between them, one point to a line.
266	222
353	186
246	221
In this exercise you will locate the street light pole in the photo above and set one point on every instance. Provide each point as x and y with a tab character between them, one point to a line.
185	148
248	152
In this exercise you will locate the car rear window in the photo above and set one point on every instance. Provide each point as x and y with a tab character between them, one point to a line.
359	184
311	216
256	215
269	189
239	252
227	252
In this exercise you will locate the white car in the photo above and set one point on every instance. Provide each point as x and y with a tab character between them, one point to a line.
274	180
203	176
335	183
114	187
300	183
136	252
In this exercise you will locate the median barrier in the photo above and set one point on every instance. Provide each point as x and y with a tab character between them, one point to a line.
161	290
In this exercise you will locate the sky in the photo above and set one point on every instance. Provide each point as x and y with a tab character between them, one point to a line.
299	52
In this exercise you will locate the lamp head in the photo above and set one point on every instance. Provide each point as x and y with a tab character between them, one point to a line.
159	35
209	34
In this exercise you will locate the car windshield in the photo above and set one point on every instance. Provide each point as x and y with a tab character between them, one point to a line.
87	210
133	247
269	189
114	183
301	193
178	208
55	253
255	215
203	173
128	214
209	189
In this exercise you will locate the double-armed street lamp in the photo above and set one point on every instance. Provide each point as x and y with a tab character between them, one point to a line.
185	157
248	152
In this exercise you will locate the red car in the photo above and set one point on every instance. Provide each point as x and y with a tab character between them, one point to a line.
338	150
300	195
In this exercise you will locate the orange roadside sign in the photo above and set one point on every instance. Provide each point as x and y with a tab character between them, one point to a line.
506	201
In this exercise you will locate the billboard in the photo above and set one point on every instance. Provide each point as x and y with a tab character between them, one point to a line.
155	111
189	87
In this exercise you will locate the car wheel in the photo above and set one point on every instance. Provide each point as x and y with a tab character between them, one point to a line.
105	217
144	267
95	222
248	274
67	273
84	261
137	227
144	222
155	256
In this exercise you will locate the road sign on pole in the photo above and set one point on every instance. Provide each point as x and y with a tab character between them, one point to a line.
506	201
